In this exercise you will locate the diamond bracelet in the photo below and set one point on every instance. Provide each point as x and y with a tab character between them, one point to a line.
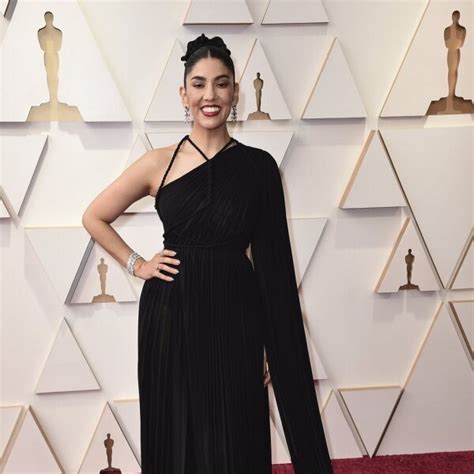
132	258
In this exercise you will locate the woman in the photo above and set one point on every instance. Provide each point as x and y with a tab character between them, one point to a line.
207	312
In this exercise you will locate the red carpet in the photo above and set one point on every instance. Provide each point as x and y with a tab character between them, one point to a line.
461	462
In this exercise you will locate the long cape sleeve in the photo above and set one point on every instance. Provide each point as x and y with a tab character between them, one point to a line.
284	337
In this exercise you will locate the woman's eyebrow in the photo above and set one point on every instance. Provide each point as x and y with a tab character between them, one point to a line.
216	78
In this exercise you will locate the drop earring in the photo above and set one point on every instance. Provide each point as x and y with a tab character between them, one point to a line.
233	114
187	115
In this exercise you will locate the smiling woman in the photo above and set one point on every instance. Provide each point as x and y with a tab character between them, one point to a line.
204	329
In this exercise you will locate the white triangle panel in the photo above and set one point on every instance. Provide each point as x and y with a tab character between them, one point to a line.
317	367
85	81
4	214
423	74
464	276
272	101
166	103
373	182
304	236
146	204
464	316
370	409
205	12
66	369
128	414
394	273
100	269
95	458
9	419
294	11
61	251
16	179
435	411
335	94
31	452
339	436
434	166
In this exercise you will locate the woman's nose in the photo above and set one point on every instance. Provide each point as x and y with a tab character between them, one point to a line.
210	92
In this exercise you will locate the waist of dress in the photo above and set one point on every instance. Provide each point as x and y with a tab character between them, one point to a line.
217	247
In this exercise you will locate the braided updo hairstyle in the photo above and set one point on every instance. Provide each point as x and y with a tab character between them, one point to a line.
204	47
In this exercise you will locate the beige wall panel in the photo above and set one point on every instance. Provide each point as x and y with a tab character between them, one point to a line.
294	11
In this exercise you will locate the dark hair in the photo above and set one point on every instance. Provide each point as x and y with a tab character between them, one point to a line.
203	47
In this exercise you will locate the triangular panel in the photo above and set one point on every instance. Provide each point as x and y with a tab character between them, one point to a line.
272	102
281	12
434	166
335	94
86	90
61	251
304	235
373	182
102	279
205	12
31	452
128	415
15	179
370	409
66	369
408	256
339	436
95	458
435	410
423	74
463	312
464	274
9	420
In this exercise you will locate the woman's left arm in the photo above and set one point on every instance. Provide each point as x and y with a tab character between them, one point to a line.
285	341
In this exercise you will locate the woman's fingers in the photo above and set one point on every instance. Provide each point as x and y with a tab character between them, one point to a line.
161	261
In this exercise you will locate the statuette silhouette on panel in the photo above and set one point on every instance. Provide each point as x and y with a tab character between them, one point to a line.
108	443
258	115
103	297
454	37
409	260
50	41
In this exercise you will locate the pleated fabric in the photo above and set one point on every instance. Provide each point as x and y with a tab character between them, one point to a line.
201	337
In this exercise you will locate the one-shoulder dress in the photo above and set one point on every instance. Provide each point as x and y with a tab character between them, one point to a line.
201	337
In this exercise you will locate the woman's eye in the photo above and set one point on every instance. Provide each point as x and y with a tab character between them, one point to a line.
224	84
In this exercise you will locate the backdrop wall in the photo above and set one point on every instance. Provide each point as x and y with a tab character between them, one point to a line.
367	176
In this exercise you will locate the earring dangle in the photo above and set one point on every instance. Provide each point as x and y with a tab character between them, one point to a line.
233	114
187	115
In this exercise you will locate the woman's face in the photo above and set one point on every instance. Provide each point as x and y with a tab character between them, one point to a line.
208	83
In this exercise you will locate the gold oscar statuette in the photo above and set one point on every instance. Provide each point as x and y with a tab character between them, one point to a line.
50	39
108	443
409	260
258	114
454	37
103	297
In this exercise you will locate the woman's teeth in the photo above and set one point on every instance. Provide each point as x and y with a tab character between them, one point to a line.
210	110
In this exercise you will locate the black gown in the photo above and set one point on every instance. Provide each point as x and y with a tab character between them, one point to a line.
201	338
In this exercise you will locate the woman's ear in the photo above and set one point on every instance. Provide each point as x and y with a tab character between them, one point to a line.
182	93
236	93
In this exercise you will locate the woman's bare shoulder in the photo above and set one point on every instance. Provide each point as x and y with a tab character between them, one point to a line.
158	160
